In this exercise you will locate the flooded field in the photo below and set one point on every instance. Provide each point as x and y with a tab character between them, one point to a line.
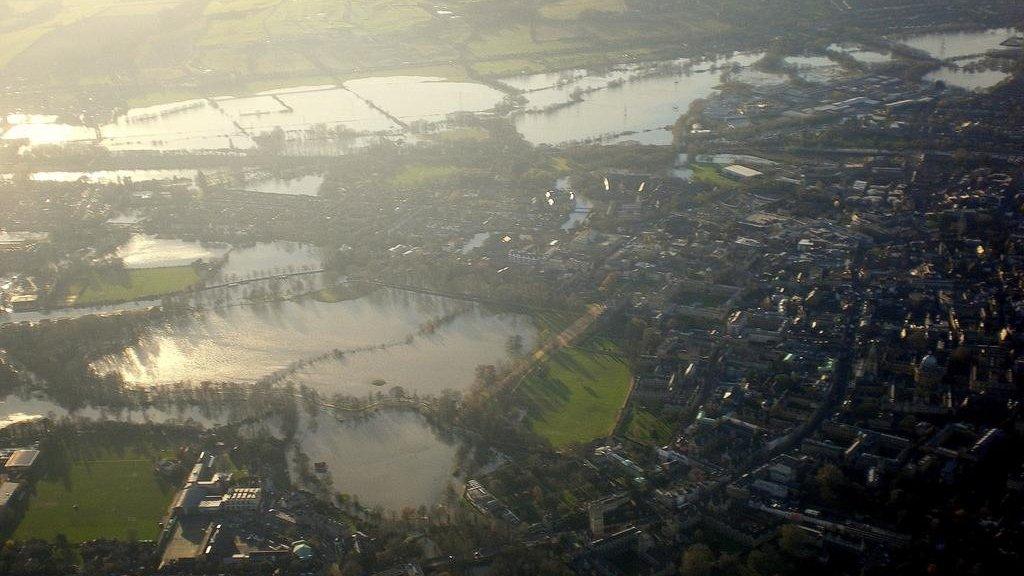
115	176
757	77
390	459
423	98
643	107
145	251
308	185
15	409
40	129
967	79
861	54
544	91
359	107
270	258
817	69
423	343
953	45
303	108
70	313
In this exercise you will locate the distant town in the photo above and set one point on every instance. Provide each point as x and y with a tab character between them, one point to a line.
523	293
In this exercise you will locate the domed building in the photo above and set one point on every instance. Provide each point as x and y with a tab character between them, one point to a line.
302	551
928	375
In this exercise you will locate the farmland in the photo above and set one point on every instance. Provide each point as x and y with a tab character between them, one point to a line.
138	50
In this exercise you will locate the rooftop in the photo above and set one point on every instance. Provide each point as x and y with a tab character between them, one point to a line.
22	459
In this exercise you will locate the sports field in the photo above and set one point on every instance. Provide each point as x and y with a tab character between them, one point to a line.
576	396
139	284
106	494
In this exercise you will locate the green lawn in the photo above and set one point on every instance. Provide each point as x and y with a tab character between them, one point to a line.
117	496
576	396
418	175
646	428
712	176
141	283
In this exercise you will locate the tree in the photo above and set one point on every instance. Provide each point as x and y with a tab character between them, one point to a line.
831	482
698	560
795	541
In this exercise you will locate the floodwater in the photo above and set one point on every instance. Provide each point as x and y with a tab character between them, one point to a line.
862	54
412	98
973	80
186	125
269	259
305	113
757	77
79	312
948	45
41	130
544	91
130	218
645	106
817	69
115	176
385	335
638	101
808	61
14	409
308	185
305	108
145	251
392	459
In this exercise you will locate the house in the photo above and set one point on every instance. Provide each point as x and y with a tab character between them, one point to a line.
21	461
9	493
24	302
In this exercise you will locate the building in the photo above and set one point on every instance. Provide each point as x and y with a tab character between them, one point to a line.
9	493
242	499
740	172
24	302
302	551
21	461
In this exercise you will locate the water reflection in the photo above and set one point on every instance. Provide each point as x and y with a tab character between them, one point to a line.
268	259
145	251
967	79
391	459
423	343
643	107
15	409
308	185
948	45
71	313
413	98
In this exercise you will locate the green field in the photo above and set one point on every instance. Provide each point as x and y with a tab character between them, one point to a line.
712	176
576	395
98	494
138	284
642	426
572	9
420	175
146	50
